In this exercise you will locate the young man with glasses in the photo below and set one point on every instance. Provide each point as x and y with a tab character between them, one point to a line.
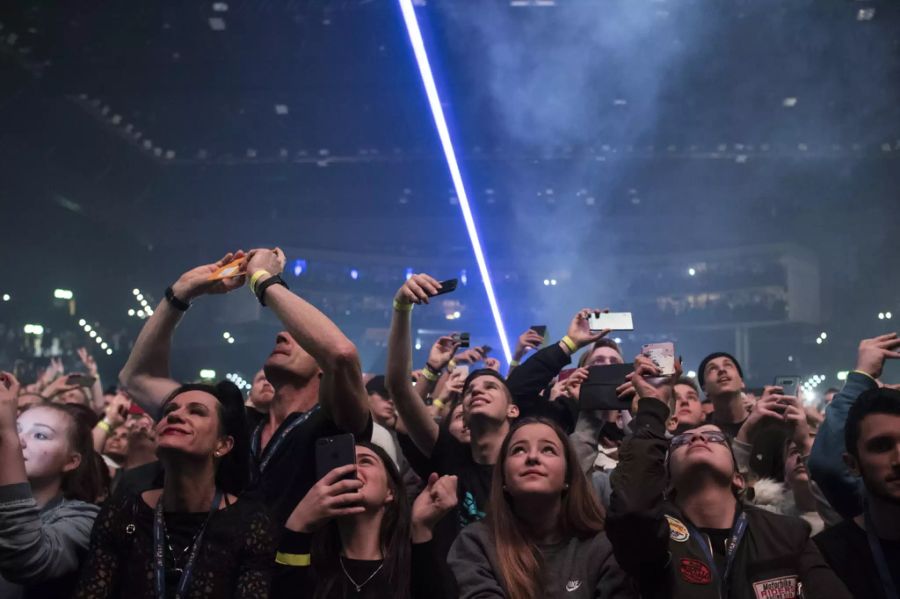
676	520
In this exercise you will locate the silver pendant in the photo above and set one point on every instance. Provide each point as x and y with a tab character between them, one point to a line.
130	529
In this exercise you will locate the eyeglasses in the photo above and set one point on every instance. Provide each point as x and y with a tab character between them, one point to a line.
708	436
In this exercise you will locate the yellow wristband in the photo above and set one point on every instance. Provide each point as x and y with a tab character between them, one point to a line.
513	363
401	307
570	344
438	403
104	426
256	277
451	365
429	375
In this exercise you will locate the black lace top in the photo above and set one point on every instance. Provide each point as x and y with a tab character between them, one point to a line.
236	558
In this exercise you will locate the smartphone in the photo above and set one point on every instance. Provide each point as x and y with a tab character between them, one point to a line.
447	286
790	384
463	339
540	329
564	374
486	349
82	380
598	392
616	321
663	356
332	452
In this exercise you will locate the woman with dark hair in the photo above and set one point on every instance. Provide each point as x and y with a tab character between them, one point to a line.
48	482
351	534
543	535
194	537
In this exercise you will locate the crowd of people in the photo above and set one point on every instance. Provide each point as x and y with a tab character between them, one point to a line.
458	480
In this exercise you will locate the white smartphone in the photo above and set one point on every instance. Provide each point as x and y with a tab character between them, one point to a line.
616	321
663	356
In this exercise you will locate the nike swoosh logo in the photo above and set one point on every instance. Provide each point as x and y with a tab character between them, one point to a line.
573	585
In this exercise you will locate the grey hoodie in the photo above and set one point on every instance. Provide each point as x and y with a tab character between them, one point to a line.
41	550
574	568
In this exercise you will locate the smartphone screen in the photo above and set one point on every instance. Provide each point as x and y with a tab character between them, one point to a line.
540	329
82	380
663	356
616	321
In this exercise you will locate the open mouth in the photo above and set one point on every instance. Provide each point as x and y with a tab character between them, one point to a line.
171	430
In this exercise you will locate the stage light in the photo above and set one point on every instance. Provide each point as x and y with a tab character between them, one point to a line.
790	358
354	274
226	335
63	294
136	291
888	315
140	313
87	328
6	297
108	352
553	282
408	274
819	341
34	329
823	335
231	340
881	316
546	282
98	339
691	374
692	271
842	375
618	340
434	101
139	297
92	334
82	322
207	373
463	277
131	312
299	267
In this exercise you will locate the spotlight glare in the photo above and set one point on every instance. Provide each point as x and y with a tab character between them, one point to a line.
434	100
231	340
888	315
226	335
99	339
136	291
82	322
207	373
408	274
299	267
92	334
108	352
140	313
692	374
6	297
87	328
63	294
819	341
131	312
354	274
546	282
823	335
692	271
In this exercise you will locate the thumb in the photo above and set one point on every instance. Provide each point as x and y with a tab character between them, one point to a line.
432	480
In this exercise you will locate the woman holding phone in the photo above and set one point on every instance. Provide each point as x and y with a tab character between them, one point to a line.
543	535
193	537
354	535
49	480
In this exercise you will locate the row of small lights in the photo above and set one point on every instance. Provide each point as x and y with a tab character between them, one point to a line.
238	380
228	337
145	311
821	338
95	336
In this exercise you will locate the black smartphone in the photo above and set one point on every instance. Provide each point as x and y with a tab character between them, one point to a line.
598	392
333	452
447	286
790	385
82	380
463	339
486	349
540	329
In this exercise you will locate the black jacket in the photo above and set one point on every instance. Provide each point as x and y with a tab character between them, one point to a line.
651	541
526	382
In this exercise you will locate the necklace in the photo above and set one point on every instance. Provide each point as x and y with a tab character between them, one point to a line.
359	585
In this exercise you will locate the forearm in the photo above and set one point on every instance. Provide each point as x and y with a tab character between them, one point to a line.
97	394
528	379
149	359
826	463
13	470
99	435
421	427
343	392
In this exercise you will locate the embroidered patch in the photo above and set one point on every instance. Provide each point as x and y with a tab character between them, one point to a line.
694	571
677	530
784	587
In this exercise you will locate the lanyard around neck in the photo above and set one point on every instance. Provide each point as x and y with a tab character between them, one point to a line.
734	540
264	456
884	573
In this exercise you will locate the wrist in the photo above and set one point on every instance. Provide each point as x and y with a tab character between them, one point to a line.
184	291
867	372
568	344
420	532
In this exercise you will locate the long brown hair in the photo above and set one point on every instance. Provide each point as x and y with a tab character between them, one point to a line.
394	535
581	516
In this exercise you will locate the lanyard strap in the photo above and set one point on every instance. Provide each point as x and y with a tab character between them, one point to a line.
277	440
159	550
734	540
884	573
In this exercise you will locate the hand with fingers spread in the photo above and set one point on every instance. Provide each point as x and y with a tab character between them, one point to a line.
417	289
442	352
873	352
529	340
580	330
662	388
436	500
89	363
195	282
333	496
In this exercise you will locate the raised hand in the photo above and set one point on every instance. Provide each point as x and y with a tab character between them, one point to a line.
195	282
644	369
333	496
271	261
88	360
528	341
492	363
438	498
771	406
470	356
572	385
442	352
580	331
873	352
417	289
117	410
